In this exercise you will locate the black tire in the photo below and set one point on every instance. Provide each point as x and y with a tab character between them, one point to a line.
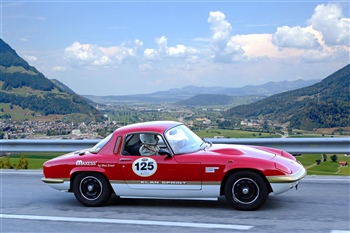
246	190
91	189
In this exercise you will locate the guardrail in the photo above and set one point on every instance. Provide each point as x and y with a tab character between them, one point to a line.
292	145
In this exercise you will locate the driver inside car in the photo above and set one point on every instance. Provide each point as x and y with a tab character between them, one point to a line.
149	144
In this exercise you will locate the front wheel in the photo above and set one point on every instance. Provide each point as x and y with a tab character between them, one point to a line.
246	190
91	189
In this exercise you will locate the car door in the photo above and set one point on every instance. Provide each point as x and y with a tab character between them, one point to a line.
160	173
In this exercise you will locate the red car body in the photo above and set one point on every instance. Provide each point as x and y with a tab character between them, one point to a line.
187	168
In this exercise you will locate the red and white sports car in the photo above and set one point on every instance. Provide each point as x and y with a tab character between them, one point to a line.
183	167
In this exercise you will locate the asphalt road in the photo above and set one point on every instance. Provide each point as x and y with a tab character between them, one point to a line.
321	204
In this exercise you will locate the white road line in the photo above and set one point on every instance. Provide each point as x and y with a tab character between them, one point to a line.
339	231
125	221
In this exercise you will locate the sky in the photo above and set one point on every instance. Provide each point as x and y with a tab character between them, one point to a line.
138	47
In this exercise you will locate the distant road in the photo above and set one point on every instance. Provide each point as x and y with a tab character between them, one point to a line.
321	204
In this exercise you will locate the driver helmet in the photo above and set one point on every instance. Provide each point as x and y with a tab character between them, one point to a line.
149	138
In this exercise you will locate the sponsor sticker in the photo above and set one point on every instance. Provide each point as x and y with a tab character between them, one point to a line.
144	167
85	163
211	169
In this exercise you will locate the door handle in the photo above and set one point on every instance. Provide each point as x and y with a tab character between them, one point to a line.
125	159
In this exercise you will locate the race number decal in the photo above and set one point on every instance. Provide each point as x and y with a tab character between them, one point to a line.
144	167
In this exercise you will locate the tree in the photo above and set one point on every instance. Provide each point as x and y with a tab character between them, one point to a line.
22	163
265	125
334	158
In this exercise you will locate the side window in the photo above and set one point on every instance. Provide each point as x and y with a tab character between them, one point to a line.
131	145
117	145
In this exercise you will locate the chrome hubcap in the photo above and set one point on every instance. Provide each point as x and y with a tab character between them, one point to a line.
90	188
245	191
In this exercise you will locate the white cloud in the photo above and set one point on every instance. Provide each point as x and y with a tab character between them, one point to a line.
138	47
317	55
329	20
162	43
260	46
123	54
59	68
325	38
29	58
294	37
219	26
225	49
204	58
104	60
181	51
82	53
151	54
327	54
87	54
138	43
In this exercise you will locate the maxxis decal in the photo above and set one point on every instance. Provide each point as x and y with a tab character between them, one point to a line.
144	166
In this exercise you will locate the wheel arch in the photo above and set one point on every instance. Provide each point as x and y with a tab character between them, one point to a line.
75	173
232	171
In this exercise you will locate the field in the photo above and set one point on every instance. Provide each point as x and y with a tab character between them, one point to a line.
327	167
234	134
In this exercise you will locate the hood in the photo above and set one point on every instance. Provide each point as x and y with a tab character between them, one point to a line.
71	156
240	150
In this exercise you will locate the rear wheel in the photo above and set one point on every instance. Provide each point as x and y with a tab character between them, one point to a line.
246	190
91	189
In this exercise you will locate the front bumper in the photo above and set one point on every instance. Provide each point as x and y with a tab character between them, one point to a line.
281	184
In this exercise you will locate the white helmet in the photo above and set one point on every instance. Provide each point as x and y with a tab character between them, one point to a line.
149	138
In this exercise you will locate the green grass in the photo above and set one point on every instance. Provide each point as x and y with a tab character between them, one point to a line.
309	159
16	112
327	167
234	134
36	160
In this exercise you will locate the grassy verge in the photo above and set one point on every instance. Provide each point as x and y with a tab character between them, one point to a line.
35	160
327	167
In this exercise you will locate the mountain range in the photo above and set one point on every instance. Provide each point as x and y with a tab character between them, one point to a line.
27	92
193	95
323	105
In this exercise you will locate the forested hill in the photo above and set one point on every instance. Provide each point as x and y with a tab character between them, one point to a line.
322	105
24	86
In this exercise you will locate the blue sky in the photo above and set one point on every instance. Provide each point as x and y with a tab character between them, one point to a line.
135	47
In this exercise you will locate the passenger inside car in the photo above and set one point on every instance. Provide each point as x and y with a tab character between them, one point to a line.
149	144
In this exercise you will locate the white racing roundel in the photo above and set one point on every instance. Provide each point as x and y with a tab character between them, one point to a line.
144	166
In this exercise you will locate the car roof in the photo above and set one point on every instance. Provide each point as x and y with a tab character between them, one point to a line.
150	126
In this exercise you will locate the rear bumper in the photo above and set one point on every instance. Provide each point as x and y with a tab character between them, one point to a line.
59	184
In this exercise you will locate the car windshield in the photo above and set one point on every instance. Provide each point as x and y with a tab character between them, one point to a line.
101	144
182	140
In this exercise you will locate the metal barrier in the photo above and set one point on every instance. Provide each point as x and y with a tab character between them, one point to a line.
292	145
296	145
